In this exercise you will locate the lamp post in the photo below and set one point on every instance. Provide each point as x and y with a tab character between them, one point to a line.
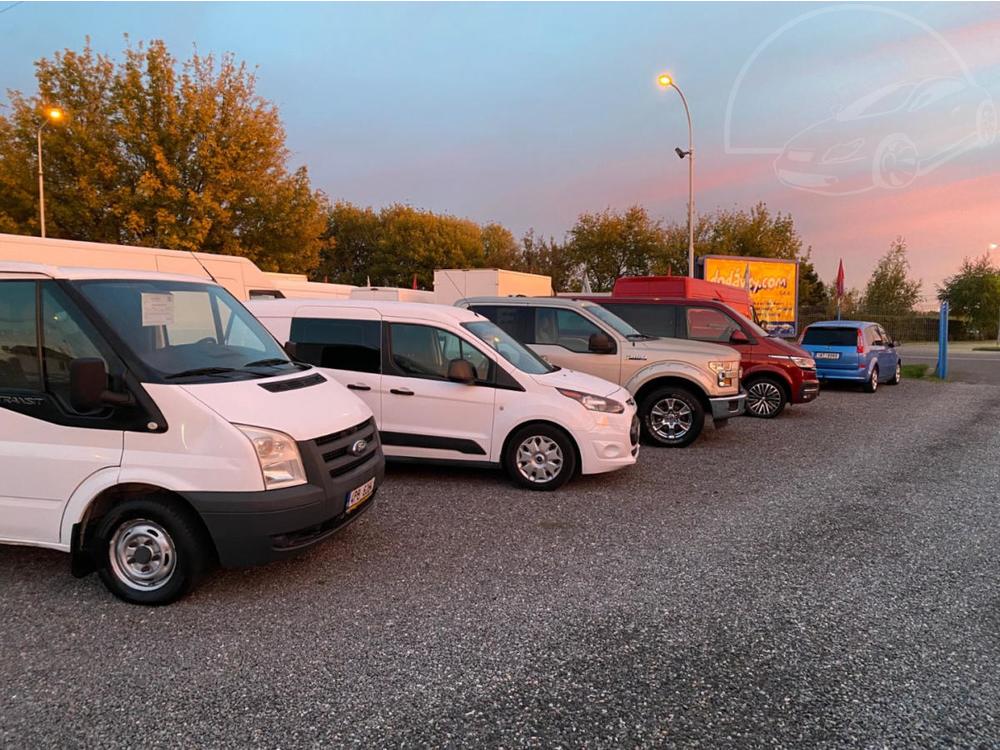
666	81
54	115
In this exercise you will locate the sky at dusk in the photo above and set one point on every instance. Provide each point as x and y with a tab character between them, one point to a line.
863	121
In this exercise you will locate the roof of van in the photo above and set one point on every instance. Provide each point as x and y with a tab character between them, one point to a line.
522	301
419	310
840	323
76	273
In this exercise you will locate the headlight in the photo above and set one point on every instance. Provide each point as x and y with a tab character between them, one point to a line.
725	372
806	363
594	403
279	458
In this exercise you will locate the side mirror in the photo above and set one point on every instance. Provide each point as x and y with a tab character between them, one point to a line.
892	343
461	371
600	343
88	386
291	349
738	337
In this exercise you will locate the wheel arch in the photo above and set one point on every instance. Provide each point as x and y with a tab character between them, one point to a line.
773	374
663	381
547	423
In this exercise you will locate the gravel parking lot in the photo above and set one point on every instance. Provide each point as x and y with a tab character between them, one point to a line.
827	578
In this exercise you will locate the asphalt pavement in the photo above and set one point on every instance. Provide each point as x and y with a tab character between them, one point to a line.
827	578
965	364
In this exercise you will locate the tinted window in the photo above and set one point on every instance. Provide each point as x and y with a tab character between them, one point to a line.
517	321
19	365
66	335
709	324
653	320
338	344
830	336
424	352
565	328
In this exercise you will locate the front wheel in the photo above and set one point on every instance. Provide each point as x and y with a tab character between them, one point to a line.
150	552
672	417
765	398
871	385
897	375
540	457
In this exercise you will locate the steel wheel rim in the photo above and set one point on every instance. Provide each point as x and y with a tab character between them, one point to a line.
763	398
671	418
143	556
875	379
899	372
539	459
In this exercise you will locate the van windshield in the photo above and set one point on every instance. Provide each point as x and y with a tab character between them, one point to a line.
508	347
186	332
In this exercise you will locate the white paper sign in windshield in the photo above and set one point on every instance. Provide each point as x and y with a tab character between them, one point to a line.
157	309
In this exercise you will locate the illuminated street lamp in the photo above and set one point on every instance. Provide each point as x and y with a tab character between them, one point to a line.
666	81
53	115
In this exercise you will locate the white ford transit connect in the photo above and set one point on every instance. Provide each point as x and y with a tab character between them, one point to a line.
149	425
448	385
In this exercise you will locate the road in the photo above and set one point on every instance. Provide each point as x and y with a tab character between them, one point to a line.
965	365
827	578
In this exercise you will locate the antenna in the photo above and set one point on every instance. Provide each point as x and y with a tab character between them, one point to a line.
203	267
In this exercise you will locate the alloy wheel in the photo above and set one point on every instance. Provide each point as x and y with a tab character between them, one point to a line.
671	418
763	398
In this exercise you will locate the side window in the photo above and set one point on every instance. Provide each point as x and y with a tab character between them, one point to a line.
424	352
517	321
565	328
66	335
870	337
653	320
353	345
19	365
709	324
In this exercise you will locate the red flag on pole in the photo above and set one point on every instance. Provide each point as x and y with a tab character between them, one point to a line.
414	281
840	279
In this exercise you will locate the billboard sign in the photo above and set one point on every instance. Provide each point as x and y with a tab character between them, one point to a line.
773	285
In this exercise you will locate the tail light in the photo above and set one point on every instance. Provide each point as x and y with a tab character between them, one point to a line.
861	342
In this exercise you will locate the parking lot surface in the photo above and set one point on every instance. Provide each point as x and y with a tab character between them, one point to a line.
827	578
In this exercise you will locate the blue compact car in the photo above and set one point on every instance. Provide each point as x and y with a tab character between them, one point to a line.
853	350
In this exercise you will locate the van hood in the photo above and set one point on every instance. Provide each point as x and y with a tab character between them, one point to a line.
787	347
681	348
303	413
577	381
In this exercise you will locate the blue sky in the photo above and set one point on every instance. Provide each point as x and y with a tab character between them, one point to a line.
529	114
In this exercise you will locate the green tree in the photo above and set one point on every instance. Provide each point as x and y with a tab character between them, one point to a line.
974	292
609	244
890	289
549	258
159	153
500	249
352	237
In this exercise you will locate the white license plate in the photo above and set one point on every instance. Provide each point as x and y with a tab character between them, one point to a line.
827	355
359	494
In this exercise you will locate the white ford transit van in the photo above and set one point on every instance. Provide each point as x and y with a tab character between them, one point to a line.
448	385
149	425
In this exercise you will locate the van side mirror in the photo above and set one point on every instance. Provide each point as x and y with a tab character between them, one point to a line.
291	349
601	343
738	337
461	371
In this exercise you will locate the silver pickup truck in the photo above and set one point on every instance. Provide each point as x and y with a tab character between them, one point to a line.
675	382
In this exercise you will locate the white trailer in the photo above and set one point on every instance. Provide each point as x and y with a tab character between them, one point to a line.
453	284
392	294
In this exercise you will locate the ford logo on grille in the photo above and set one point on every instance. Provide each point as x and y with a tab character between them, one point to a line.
359	447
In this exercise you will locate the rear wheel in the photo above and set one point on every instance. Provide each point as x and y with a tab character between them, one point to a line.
540	457
672	417
871	385
765	398
897	375
150	552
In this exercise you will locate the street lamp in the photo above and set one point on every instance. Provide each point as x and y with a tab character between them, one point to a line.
53	115
666	81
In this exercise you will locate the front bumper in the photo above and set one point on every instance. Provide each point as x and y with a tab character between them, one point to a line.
253	528
726	407
612	443
808	391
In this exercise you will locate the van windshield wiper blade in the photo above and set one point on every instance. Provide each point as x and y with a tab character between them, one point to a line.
639	336
272	362
201	371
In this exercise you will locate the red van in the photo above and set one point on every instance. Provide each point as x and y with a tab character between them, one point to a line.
775	372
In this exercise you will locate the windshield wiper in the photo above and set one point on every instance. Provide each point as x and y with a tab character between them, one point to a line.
639	336
201	371
272	362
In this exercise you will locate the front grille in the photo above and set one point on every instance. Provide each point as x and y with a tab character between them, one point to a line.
336	451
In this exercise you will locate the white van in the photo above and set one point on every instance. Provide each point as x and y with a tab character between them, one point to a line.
448	385
149	425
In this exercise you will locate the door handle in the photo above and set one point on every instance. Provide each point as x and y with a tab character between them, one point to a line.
401	391
358	387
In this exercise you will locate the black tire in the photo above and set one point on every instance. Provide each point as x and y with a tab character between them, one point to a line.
540	457
897	375
871	385
766	397
163	538
685	409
